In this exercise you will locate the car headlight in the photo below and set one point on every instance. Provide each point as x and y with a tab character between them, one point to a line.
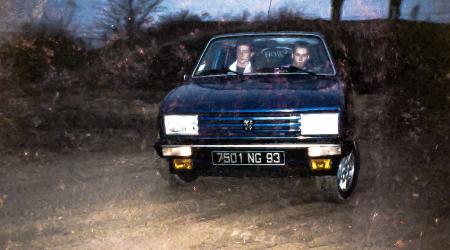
181	124
319	124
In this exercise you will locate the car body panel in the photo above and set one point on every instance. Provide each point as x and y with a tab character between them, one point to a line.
255	94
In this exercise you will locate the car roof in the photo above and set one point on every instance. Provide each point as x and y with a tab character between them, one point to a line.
270	34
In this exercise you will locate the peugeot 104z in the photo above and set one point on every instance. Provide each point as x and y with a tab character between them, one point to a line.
262	104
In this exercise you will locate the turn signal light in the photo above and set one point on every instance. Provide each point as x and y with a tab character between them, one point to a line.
182	164
321	164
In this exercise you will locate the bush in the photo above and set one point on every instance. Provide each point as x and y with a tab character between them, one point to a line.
29	56
172	61
122	66
425	69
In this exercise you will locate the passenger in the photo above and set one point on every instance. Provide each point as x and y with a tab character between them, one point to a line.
243	55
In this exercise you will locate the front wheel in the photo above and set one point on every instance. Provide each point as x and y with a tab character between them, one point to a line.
340	187
347	174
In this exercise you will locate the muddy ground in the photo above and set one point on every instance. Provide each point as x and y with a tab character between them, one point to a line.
115	198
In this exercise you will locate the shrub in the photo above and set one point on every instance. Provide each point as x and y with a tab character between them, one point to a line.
29	56
121	66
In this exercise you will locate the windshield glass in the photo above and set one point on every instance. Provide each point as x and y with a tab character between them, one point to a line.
265	54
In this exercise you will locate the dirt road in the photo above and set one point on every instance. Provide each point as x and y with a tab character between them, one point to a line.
117	199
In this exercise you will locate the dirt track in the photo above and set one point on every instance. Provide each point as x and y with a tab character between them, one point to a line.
117	199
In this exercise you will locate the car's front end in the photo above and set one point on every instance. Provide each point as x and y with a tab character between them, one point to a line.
259	125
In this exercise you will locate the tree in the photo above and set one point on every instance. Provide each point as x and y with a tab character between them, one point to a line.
180	17
336	10
54	14
58	15
13	13
128	17
245	16
414	14
287	14
394	9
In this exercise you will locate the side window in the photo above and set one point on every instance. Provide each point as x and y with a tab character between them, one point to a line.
219	55
206	62
229	52
324	62
319	59
228	56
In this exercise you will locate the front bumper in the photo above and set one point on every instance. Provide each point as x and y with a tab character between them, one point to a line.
298	158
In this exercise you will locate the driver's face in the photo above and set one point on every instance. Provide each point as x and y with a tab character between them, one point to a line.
243	53
300	57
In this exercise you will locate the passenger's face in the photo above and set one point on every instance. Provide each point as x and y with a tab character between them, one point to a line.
300	57
243	53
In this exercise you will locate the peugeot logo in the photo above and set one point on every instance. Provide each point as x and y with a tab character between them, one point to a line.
248	124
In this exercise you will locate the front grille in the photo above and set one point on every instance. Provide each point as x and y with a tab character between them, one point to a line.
262	124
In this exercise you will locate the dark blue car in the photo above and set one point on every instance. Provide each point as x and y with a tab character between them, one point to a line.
261	104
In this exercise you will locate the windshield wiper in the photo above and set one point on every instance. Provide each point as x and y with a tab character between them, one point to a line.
295	69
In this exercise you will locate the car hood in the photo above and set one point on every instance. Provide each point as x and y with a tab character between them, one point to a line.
254	94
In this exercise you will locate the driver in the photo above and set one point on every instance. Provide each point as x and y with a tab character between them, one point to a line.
243	55
300	56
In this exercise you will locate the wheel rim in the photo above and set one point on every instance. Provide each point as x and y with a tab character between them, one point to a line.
345	172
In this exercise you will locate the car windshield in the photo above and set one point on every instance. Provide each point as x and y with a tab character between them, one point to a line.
265	54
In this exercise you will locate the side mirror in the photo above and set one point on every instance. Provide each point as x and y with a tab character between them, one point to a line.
186	77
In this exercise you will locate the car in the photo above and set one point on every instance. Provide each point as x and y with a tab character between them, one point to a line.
268	104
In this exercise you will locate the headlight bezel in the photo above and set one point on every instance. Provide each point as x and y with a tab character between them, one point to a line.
319	123
172	126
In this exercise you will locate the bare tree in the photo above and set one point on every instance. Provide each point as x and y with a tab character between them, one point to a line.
394	9
128	17
245	16
414	14
13	13
287	14
54	14
59	14
336	10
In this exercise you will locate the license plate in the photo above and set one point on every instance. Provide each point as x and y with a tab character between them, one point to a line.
248	157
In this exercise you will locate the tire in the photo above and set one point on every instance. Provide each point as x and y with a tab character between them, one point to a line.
338	188
179	179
